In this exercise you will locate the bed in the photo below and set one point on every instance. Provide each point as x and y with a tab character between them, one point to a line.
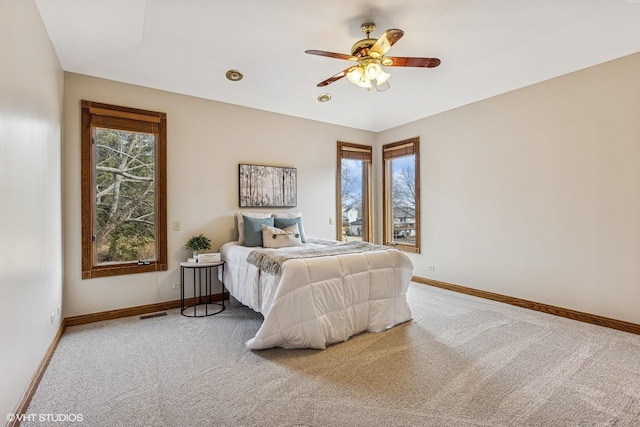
318	292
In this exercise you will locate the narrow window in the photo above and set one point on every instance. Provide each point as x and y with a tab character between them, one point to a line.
401	194
353	192
123	190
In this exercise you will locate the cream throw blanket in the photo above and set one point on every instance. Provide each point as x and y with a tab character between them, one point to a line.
271	260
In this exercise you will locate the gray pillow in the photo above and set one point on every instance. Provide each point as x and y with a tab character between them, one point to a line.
283	223
253	229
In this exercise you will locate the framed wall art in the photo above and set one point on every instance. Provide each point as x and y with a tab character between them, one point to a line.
267	186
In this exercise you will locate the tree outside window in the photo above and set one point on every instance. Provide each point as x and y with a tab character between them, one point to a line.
125	196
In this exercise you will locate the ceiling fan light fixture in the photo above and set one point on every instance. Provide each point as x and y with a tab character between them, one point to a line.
372	70
368	74
382	77
382	87
355	74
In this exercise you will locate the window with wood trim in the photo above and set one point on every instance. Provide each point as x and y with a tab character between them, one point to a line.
401	194
353	190
124	202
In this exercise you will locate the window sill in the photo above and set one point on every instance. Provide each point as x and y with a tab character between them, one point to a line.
403	247
121	269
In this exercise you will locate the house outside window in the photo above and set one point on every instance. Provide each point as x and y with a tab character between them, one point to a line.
123	190
353	188
401	194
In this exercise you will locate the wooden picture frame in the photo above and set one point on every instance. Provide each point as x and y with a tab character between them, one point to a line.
267	186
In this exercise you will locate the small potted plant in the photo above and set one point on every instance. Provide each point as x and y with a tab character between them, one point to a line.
197	244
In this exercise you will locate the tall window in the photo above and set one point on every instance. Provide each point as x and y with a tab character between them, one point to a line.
353	192
124	213
401	194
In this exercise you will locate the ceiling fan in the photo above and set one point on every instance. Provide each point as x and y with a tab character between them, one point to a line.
370	55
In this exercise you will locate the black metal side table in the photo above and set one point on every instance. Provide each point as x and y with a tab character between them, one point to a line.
202	302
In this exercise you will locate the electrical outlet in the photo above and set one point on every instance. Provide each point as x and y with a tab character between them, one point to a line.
53	317
330	221
59	310
176	225
431	267
176	286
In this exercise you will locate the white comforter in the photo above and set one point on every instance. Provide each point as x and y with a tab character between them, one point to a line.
318	301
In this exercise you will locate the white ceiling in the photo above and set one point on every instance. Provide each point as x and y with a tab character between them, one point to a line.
487	47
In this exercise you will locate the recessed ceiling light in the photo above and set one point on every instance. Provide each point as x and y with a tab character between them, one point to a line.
324	97
234	75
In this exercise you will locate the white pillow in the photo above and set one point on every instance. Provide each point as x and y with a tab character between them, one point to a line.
239	215
287	214
273	237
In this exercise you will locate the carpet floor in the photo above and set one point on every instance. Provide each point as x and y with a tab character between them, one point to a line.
462	361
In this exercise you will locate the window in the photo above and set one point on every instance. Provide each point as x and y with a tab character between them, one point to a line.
123	170
401	194
353	192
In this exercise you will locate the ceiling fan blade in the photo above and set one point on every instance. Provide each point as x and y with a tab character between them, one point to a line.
333	78
399	61
331	54
384	43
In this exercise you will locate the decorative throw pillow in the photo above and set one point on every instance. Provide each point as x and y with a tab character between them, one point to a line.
287	222
240	216
290	214
273	237
253	230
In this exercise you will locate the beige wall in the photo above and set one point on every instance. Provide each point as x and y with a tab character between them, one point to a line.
532	194
206	142
30	217
536	193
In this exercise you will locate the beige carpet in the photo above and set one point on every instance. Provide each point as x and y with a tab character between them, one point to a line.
462	361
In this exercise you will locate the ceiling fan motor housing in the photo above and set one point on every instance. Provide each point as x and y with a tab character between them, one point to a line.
361	48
